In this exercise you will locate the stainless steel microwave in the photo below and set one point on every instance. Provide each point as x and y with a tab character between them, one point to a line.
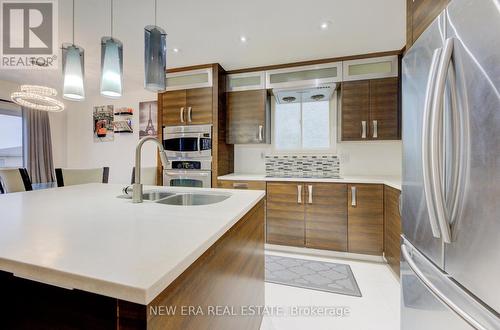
184	142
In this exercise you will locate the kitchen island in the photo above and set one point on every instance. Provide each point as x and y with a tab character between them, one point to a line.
80	257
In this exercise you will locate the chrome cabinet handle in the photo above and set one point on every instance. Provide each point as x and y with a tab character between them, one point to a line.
182	114
375	129
240	185
426	172
261	133
199	143
436	140
353	196
437	293
400	205
310	193
363	129
189	114
299	194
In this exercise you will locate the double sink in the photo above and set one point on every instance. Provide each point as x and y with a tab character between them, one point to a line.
181	198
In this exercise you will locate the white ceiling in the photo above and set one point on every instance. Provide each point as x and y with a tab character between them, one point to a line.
278	31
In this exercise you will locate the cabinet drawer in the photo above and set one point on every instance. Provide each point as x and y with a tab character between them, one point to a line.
250	185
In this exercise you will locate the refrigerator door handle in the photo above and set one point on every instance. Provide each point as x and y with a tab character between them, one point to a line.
426	173
436	141
436	292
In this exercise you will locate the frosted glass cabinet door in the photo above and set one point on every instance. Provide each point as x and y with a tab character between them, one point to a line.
370	68
310	75
246	81
189	79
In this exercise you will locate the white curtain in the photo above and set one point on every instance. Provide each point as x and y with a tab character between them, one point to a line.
38	146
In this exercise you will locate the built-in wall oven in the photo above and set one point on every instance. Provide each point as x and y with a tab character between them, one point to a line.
189	151
183	142
188	173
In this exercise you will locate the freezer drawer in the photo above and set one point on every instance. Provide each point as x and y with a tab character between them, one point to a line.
430	299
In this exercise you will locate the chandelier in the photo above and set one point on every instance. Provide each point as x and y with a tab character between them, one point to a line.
38	98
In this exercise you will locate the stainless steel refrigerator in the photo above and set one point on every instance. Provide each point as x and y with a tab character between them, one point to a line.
450	268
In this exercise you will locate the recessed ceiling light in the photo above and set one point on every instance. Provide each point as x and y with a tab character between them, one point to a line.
175	50
325	25
243	39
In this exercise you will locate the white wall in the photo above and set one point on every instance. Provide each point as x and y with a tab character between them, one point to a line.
119	154
57	125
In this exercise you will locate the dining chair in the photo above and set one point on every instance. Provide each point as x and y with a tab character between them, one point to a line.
14	180
148	175
73	176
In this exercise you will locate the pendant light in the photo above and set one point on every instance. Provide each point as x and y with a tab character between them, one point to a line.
111	64
155	57
73	68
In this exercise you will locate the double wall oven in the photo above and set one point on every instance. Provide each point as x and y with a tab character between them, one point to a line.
189	150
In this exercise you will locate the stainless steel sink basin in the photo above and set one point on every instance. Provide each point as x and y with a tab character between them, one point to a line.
152	195
189	199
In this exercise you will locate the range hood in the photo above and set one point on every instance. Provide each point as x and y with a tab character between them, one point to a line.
304	94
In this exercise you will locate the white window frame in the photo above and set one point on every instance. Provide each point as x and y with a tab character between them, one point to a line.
314	151
14	110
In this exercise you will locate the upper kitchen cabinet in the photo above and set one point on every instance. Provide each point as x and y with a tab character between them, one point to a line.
419	15
189	79
370	110
187	106
370	68
248	117
246	81
310	75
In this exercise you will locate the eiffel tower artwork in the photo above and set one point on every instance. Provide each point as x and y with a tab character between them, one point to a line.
150	129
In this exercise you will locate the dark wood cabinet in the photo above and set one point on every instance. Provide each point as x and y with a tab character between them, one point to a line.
313	215
384	116
365	214
247	117
326	216
187	106
370	110
355	110
392	228
285	213
419	15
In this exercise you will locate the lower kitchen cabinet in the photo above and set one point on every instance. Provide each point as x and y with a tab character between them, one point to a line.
285	213
392	228
365	212
313	215
250	185
326	216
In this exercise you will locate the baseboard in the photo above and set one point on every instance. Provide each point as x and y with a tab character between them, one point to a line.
324	253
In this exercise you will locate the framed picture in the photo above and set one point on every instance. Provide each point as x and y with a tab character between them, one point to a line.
148	119
123	120
103	123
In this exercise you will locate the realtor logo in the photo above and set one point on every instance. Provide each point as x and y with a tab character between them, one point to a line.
29	34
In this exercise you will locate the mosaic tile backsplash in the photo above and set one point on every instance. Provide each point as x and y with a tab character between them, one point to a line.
306	166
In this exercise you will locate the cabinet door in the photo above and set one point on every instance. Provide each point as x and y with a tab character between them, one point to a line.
285	213
326	216
355	110
174	108
246	116
199	105
392	227
365	217
384	118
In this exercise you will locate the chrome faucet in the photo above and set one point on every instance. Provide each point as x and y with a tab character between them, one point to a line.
137	186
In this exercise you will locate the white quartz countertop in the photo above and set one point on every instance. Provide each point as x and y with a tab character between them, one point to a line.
391	181
84	237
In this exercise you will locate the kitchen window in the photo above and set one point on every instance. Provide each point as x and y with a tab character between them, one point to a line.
11	138
302	126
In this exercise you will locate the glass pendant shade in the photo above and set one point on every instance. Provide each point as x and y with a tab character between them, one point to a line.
73	70
111	67
155	58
